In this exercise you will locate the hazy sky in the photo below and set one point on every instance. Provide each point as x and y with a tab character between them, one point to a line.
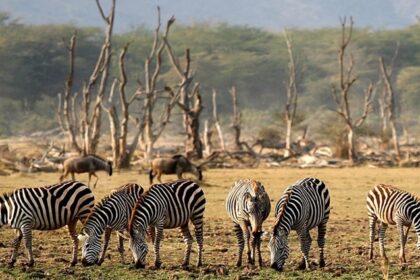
269	14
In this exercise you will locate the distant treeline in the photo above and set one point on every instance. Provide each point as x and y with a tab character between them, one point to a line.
34	62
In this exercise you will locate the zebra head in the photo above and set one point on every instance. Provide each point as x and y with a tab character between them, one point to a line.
91	248
251	207
139	248
279	249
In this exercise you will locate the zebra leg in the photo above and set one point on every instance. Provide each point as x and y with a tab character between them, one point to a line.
27	235
73	234
121	245
188	243
256	244
372	223
382	228
107	237
158	238
240	236
403	240
247	237
305	246
322	229
152	233
198	229
16	244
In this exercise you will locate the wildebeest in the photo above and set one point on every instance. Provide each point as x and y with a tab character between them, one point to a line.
85	164
177	164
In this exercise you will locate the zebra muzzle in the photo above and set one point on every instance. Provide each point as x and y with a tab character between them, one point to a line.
274	266
139	265
86	263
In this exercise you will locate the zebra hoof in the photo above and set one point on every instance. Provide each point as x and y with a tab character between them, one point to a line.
158	265
11	264
302	265
31	263
238	264
199	264
73	263
321	263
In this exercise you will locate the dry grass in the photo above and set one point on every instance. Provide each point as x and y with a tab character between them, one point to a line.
347	237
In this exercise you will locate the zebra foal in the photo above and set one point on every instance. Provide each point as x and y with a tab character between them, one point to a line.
111	213
392	206
248	205
45	208
303	206
168	205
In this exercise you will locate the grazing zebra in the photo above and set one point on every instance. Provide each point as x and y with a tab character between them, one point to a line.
168	205
85	164
248	205
392	206
112	213
303	206
45	208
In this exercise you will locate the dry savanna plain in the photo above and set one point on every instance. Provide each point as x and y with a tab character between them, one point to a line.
347	235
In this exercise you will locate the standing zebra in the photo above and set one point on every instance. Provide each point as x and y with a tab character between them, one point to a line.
168	205
112	213
392	206
45	208
303	206
248	205
85	164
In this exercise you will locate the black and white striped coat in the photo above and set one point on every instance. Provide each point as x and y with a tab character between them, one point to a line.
168	205
45	208
112	213
303	206
391	206
248	205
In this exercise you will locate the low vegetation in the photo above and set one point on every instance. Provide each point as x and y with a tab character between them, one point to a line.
347	235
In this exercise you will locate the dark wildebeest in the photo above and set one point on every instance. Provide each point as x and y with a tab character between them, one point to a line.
177	164
85	164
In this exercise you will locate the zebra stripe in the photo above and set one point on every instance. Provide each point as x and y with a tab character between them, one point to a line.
112	213
248	205
392	206
303	206
45	208
168	205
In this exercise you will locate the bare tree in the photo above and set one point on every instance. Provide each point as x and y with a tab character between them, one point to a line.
390	107
190	104
216	121
66	116
341	95
292	94
236	120
91	121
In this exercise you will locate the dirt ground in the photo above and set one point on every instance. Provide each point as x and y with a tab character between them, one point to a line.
347	235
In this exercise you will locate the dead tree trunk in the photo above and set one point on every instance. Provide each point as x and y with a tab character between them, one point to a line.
391	108
216	121
341	99
236	121
292	95
66	108
191	104
207	133
151	131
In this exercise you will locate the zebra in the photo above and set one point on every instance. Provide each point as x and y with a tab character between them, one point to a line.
303	206
111	213
89	163
248	205
45	208
392	206
167	205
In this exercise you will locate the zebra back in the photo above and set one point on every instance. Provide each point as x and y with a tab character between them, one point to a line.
113	210
386	201
306	201
49	207
237	202
175	202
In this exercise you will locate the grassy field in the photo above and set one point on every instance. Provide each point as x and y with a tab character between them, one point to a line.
347	236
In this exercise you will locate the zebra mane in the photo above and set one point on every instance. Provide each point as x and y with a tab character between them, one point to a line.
137	206
282	210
